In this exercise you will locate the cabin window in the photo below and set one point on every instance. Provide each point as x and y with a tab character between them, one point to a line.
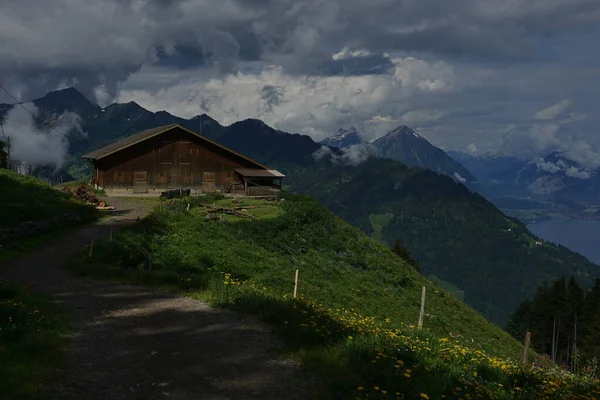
193	151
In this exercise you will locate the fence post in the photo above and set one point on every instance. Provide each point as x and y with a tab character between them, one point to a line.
91	247
526	349
422	313
296	284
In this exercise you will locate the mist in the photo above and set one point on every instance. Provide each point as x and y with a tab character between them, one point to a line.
33	146
348	156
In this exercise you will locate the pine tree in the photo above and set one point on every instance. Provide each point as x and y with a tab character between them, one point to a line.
590	322
541	320
519	322
400	250
574	306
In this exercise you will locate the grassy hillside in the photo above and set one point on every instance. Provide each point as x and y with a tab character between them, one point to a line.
33	330
354	321
458	236
455	234
25	198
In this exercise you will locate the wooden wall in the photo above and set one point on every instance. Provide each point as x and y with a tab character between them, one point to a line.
174	160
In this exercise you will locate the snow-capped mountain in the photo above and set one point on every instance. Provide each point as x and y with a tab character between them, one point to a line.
405	145
344	138
553	177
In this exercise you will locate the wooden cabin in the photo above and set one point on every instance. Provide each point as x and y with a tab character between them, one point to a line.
173	157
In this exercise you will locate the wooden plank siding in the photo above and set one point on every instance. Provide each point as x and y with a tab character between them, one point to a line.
172	160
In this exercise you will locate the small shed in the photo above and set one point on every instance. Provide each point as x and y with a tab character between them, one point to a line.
173	157
259	182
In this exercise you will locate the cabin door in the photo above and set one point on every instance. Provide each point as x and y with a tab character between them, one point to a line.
140	182
208	182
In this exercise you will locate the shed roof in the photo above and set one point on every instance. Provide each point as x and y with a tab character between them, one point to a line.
149	133
259	173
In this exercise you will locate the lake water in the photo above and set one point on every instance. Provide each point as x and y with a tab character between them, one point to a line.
582	236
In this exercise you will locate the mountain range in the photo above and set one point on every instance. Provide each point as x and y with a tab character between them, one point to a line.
553	178
459	238
403	144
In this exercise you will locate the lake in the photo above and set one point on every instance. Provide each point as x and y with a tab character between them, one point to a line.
582	236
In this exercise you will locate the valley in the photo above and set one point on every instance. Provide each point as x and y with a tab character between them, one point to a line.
457	235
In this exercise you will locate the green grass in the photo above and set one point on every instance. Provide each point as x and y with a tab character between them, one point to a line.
378	221
25	198
448	287
358	301
33	332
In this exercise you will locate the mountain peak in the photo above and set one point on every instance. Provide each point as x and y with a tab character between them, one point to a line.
344	138
68	94
69	99
405	145
403	130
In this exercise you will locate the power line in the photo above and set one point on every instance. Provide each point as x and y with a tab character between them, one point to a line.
31	113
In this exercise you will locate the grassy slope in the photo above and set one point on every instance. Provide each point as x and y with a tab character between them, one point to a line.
25	198
455	234
339	265
32	329
359	300
32	332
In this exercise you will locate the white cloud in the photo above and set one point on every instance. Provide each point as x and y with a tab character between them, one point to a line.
315	106
578	173
414	73
561	166
554	110
472	148
547	166
348	156
33	146
459	178
346	53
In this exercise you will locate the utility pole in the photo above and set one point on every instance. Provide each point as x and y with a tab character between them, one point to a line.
8	152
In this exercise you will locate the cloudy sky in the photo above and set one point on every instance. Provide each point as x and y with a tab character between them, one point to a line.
475	75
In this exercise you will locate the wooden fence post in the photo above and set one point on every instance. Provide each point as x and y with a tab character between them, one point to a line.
526	349
296	284
188	208
91	247
422	313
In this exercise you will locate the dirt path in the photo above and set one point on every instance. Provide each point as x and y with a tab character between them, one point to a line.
135	343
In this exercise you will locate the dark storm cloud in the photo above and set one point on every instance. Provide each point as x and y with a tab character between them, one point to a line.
63	36
503	61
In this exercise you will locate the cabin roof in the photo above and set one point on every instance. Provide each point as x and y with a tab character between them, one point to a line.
149	133
259	173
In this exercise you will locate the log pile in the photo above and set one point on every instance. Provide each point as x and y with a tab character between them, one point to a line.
214	210
87	196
